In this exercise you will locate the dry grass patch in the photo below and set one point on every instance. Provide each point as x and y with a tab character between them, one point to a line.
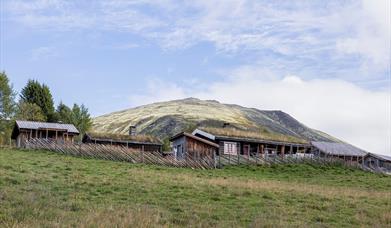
261	185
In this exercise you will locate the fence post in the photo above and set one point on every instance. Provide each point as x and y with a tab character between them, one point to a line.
219	158
142	153
80	149
214	159
229	157
239	154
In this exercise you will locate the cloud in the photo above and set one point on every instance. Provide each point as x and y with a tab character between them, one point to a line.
370	34
44	53
318	35
342	109
333	45
158	90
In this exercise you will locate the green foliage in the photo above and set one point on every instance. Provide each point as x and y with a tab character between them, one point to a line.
64	113
7	97
81	118
166	144
49	189
7	108
38	94
77	116
30	111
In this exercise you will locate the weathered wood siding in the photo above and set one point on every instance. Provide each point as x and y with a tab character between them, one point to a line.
198	149
25	135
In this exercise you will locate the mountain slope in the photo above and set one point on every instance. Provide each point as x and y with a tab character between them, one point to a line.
165	119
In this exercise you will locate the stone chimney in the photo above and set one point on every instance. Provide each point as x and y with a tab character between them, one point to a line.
132	130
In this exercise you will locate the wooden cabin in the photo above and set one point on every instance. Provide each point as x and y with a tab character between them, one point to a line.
234	142
339	150
378	162
26	130
187	145
133	141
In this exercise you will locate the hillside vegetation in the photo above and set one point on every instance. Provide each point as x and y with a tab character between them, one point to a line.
165	119
39	188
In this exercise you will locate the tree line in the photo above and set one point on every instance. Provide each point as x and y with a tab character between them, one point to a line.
36	103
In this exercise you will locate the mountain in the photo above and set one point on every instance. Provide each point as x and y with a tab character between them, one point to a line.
164	119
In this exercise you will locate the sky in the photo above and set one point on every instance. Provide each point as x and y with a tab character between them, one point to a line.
326	63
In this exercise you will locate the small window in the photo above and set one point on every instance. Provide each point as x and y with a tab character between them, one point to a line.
230	148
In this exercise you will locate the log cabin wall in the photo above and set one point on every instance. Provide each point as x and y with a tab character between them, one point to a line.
198	149
250	148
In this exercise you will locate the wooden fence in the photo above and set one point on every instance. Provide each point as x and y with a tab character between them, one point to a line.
119	153
122	153
269	159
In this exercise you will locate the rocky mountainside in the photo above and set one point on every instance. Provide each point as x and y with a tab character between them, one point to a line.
165	119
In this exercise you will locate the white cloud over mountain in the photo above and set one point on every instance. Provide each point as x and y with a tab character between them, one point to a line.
359	116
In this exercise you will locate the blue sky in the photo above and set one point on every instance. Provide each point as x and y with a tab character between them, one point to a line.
327	63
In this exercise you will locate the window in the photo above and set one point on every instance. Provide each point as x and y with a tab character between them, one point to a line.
230	148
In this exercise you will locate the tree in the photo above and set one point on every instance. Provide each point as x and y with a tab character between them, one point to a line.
166	144
64	113
7	107
38	94
7	98
81	118
29	111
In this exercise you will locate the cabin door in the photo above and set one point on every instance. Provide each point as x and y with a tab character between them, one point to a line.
179	152
246	150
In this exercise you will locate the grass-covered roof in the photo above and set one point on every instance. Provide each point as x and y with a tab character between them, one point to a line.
122	137
261	134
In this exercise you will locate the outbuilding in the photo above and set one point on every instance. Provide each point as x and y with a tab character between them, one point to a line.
378	162
26	130
340	150
133	141
188	145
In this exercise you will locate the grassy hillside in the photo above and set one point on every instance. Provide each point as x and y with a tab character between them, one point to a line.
40	188
165	119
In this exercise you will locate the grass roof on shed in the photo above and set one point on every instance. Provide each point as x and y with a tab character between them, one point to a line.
122	137
252	134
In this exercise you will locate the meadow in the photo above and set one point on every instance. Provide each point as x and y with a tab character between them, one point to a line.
39	188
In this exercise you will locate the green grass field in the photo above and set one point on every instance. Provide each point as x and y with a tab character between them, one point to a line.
40	188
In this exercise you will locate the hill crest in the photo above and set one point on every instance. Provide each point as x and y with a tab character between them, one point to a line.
164	119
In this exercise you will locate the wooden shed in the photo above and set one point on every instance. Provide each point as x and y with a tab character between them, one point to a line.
26	130
378	162
188	145
137	142
340	150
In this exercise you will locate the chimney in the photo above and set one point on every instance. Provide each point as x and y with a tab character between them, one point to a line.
132	130
225	124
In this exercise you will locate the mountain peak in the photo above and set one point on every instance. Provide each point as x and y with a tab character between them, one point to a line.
165	119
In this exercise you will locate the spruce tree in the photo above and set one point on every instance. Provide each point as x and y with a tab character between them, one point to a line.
38	94
64	113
